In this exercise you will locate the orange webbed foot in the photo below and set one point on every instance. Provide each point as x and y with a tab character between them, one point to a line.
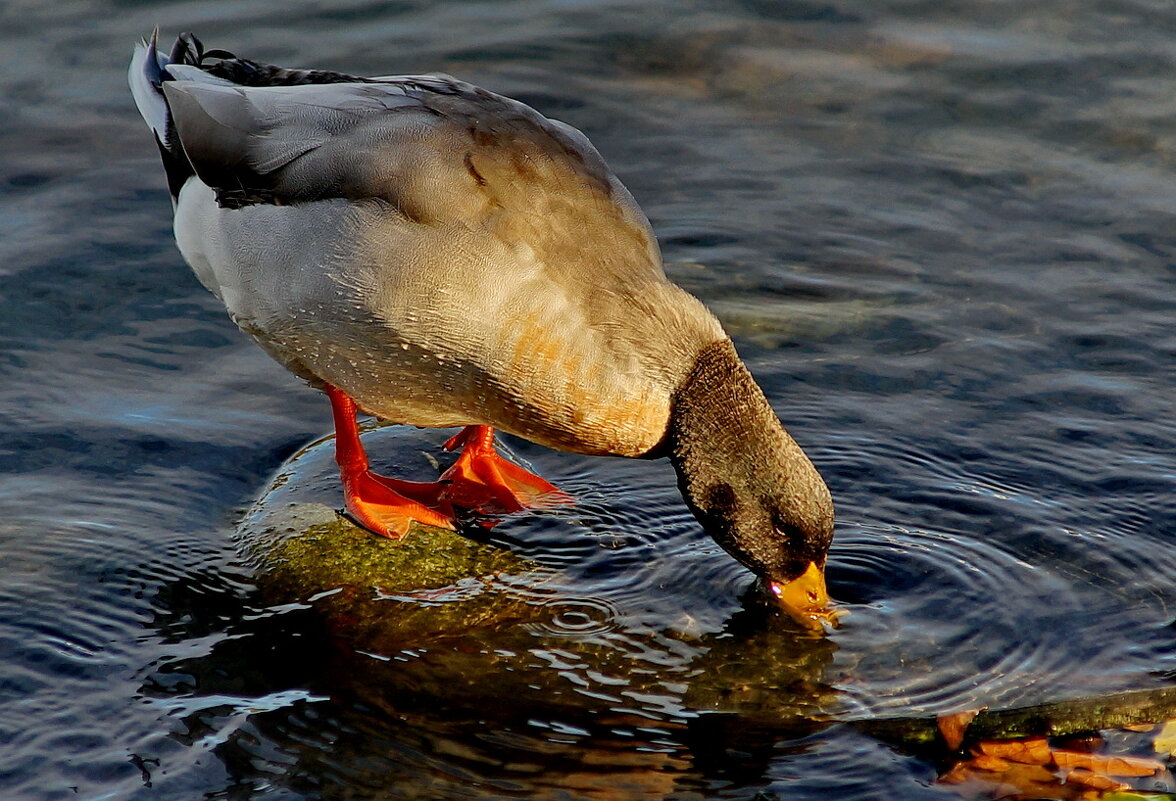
386	506
482	480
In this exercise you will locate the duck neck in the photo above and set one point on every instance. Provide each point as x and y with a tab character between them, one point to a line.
720	424
732	455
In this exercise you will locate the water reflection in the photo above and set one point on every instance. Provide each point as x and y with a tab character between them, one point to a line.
477	713
448	666
542	654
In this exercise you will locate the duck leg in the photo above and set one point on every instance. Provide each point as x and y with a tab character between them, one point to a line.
386	506
482	480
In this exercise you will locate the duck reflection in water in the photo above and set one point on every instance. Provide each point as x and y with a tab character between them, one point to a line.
521	665
419	705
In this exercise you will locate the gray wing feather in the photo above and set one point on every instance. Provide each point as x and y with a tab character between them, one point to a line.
436	151
250	139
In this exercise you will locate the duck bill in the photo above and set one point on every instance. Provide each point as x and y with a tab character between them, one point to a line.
805	598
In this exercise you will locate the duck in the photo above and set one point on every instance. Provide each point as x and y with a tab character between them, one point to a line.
434	254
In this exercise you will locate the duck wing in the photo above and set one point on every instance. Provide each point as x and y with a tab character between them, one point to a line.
436	149
445	254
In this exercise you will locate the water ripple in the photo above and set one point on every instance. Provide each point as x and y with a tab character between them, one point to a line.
574	617
942	621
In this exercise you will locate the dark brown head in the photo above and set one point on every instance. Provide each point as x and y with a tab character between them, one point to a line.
749	483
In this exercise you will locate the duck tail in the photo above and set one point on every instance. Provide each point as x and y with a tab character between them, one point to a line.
146	79
148	71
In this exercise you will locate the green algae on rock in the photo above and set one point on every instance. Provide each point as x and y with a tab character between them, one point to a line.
378	592
472	623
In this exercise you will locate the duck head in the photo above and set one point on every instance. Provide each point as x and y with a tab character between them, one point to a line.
750	485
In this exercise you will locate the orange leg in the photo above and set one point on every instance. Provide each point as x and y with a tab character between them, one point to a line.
483	481
386	506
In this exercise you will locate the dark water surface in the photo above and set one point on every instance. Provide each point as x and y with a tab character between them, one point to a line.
940	232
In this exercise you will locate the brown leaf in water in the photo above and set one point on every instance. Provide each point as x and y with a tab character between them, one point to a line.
985	762
1095	781
953	726
1027	752
1033	781
959	773
1110	765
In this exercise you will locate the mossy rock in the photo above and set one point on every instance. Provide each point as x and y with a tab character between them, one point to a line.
459	615
380	593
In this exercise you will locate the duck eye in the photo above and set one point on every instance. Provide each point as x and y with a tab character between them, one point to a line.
789	533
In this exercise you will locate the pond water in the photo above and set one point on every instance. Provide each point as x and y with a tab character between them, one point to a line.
942	236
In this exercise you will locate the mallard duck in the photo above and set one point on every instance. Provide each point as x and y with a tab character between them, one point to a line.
438	255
